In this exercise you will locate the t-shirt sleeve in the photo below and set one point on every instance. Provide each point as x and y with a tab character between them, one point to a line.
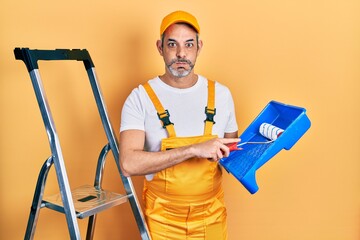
133	113
232	123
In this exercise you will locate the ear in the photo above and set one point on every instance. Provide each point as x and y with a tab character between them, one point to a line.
159	47
200	45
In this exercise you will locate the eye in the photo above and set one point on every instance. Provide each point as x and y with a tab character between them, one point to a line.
171	44
189	45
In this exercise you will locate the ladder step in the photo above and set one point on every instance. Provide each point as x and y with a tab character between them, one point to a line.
87	199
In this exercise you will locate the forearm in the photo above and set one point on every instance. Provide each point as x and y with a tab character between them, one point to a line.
139	162
135	161
231	135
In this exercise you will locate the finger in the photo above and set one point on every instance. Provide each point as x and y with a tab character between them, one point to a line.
224	150
213	158
221	153
230	140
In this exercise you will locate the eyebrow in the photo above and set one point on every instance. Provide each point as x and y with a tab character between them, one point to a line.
189	40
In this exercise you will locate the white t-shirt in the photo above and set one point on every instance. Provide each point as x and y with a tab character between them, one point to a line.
186	108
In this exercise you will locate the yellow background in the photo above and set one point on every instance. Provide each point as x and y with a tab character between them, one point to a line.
304	53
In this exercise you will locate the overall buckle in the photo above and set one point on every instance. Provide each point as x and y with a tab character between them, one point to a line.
210	113
165	118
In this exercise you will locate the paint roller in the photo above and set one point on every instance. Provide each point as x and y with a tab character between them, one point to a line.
267	130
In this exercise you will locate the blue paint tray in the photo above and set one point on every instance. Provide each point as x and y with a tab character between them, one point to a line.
244	163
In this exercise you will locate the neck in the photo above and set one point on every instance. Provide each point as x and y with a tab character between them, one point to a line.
179	82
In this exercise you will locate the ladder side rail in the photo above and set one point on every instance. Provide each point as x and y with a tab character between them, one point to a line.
37	199
31	62
97	184
100	166
58	158
129	188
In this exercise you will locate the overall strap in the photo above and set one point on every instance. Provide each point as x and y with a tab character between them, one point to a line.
163	114
210	110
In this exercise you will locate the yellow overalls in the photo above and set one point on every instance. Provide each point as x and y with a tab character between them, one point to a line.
186	201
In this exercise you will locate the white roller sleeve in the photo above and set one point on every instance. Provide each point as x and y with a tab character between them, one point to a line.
270	131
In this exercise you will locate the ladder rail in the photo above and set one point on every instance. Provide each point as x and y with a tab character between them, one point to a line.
58	158
98	184
37	199
129	188
101	166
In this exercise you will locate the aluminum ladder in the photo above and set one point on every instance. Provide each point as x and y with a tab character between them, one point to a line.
88	200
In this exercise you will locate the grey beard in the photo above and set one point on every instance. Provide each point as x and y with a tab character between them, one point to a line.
177	73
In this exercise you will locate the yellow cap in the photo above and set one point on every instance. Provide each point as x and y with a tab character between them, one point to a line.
178	17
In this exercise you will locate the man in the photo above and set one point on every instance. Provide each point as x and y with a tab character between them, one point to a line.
168	133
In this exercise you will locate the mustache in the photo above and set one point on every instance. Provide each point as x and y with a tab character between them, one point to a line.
180	60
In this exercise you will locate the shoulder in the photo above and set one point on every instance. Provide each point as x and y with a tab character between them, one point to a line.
140	92
219	87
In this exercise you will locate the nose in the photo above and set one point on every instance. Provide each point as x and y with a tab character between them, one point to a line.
180	53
